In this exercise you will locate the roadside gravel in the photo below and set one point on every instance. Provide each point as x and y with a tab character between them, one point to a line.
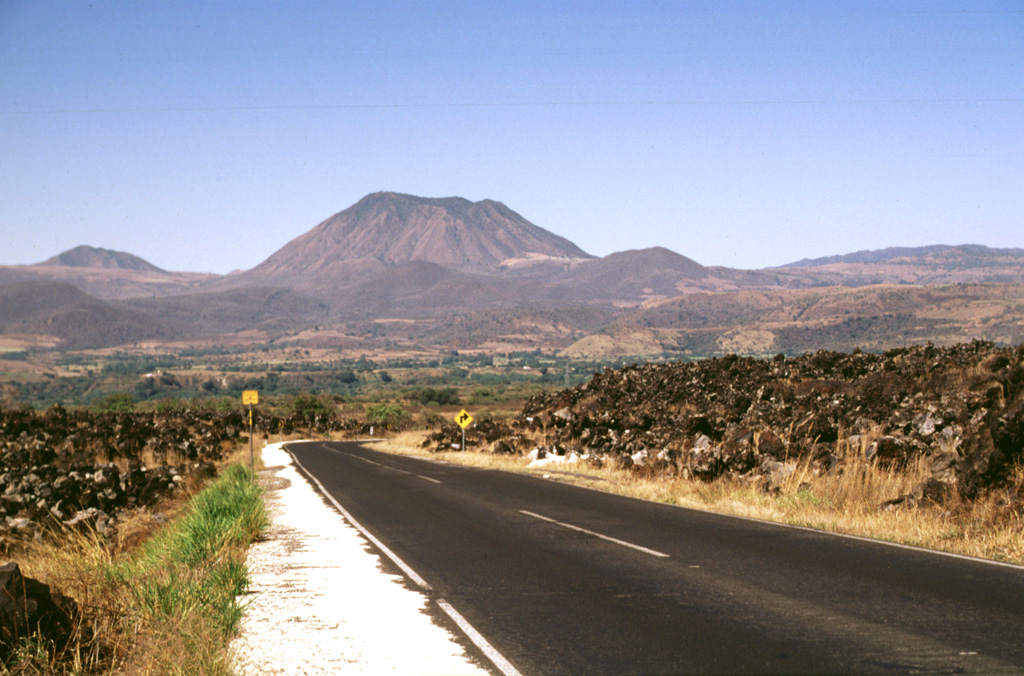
319	601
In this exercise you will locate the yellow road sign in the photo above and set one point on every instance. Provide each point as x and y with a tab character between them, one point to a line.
250	397
463	419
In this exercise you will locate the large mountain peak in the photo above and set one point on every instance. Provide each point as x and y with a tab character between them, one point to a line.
386	228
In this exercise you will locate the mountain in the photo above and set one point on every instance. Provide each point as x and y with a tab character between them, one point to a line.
626	277
92	257
386	229
405	272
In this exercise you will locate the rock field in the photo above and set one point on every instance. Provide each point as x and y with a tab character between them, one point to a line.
83	468
960	409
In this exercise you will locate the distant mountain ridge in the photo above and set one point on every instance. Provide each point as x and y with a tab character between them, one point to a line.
107	275
93	257
396	269
894	253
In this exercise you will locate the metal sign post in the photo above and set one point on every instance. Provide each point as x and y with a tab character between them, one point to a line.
250	397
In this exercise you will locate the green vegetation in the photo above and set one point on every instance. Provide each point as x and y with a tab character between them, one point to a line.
75	379
444	396
14	355
191	573
312	410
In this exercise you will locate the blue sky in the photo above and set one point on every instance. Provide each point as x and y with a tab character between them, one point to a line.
203	136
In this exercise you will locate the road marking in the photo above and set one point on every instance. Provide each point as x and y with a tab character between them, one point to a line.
499	661
358	526
645	550
815	531
504	666
380	464
859	538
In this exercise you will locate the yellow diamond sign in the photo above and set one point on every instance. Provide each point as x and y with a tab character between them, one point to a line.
463	418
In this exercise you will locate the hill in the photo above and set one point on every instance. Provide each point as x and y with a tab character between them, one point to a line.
765	322
92	257
62	311
106	275
272	310
908	254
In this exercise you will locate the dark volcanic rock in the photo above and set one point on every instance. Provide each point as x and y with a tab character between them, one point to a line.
29	607
49	467
961	406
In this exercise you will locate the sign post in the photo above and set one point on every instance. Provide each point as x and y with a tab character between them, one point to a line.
463	419
250	397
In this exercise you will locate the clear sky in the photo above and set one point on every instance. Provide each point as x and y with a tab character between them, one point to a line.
203	136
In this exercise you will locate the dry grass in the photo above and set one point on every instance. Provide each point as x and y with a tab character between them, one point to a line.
845	501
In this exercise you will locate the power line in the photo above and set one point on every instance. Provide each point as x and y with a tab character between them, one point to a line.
512	104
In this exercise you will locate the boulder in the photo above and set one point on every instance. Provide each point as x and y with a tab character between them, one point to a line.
888	451
502	447
30	608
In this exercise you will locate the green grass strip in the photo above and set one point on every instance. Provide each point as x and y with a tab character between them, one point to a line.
184	583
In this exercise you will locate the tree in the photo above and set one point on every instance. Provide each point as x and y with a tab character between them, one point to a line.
388	416
313	411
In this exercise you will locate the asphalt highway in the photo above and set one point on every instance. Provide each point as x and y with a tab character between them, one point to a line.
556	579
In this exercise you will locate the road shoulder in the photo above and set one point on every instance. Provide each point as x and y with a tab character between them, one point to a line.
319	601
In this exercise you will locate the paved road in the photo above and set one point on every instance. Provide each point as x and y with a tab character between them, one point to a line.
564	580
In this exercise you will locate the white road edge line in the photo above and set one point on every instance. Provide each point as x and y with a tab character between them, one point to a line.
427	478
358	526
499	661
504	666
645	550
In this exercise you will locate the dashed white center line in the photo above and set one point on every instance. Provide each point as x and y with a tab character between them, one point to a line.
617	541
